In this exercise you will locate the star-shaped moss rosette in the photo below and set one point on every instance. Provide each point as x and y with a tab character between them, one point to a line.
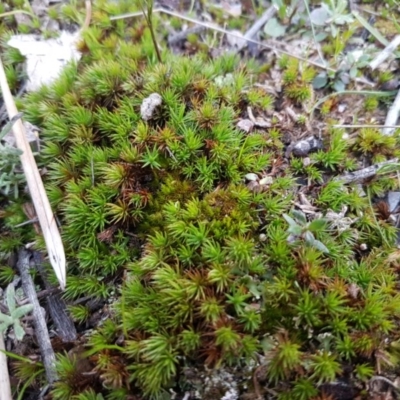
16	313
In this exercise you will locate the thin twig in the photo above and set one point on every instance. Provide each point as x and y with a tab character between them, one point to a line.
63	323
364	173
148	16
43	293
251	33
176	38
385	53
357	126
42	335
187	396
5	387
317	45
392	115
31	221
9	13
88	17
383	379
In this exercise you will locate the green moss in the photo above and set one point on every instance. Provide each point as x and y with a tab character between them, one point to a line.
205	269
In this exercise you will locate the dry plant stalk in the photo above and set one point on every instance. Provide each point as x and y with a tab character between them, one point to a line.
45	215
5	387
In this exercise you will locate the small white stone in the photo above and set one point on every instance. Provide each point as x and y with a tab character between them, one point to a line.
262	237
251	177
306	161
149	105
245	125
363	247
267	180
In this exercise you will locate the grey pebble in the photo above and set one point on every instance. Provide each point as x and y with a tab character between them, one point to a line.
251	177
393	199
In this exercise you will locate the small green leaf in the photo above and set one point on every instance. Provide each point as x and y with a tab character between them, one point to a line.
290	220
295	230
339	86
320	81
273	28
317	225
309	238
5	319
4	327
319	16
299	216
320	246
11	298
18	330
21	311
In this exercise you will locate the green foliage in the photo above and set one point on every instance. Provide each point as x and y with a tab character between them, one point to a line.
297	80
16	313
371	142
325	367
301	229
7	274
202	268
285	357
335	156
79	313
11	176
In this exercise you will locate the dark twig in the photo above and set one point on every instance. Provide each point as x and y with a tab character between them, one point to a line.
364	173
42	335
255	28
42	294
64	325
176	38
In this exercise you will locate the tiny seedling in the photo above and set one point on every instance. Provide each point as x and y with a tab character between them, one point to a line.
16	313
300	228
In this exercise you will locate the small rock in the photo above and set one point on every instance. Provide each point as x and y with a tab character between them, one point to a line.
251	177
236	40
363	246
339	390
341	108
353	289
393	199
306	161
262	123
301	149
224	80
253	186
360	190
266	180
305	146
149	105
245	125
393	84
262	237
